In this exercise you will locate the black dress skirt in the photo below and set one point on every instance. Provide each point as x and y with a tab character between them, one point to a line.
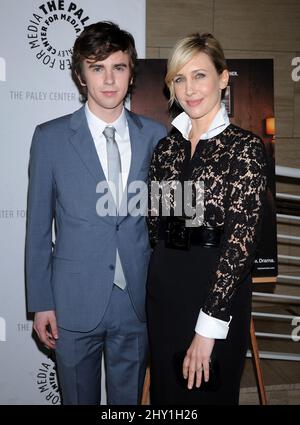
176	289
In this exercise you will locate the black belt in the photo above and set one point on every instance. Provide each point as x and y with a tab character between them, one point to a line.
177	236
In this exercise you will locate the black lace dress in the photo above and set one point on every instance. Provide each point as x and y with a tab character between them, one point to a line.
233	167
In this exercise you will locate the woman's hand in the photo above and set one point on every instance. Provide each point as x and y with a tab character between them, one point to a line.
197	359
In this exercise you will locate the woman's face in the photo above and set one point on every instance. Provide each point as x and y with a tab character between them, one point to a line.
198	87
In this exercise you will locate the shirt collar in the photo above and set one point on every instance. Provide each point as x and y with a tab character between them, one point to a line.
183	123
97	125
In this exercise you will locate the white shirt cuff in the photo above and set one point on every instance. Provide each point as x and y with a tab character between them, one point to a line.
211	327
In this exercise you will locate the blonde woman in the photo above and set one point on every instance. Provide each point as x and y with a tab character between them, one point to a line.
199	281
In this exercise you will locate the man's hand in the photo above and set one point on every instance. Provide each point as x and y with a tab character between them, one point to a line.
197	360
46	327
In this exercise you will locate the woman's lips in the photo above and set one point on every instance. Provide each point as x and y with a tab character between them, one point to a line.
193	102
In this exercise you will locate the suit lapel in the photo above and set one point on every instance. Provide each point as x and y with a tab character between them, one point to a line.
83	143
137	154
137	146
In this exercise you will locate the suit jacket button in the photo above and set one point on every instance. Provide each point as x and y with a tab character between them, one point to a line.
111	267
117	227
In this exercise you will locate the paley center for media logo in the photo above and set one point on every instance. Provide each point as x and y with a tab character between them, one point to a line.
47	383
52	30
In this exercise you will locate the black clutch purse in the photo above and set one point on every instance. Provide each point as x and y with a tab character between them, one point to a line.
177	235
214	382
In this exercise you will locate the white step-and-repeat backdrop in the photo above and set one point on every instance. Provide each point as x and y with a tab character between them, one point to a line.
36	39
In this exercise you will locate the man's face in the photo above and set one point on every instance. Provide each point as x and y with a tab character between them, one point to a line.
107	83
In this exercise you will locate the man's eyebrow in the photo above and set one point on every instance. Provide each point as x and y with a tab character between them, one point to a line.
124	65
100	65
93	64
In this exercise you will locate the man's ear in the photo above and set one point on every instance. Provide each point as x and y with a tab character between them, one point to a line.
80	79
224	78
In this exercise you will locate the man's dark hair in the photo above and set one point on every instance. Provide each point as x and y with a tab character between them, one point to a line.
97	42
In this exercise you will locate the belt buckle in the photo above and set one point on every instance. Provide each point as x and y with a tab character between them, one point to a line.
178	236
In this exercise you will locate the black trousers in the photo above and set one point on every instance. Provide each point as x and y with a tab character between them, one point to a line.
178	283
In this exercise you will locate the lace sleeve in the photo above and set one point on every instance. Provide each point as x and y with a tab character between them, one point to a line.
153	201
243	210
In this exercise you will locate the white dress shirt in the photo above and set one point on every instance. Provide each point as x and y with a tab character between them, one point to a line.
206	325
96	126
183	123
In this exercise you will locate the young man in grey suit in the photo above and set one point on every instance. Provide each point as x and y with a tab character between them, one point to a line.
88	291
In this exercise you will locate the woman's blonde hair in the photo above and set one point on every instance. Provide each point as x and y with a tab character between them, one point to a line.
186	48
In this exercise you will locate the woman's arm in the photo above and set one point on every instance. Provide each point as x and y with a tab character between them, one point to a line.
243	212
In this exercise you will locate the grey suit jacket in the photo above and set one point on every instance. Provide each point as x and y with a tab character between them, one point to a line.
76	276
